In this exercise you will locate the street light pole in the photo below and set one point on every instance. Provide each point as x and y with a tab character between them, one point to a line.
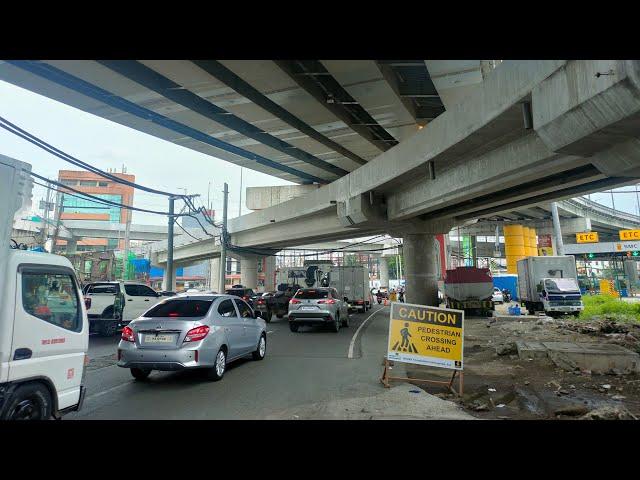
223	248
171	282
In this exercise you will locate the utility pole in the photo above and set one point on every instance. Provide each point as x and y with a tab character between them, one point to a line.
125	256
223	248
556	228
240	204
58	220
171	281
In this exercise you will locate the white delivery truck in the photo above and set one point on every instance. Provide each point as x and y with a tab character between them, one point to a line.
550	284
44	332
352	283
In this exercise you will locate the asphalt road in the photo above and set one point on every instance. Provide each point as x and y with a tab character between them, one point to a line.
313	365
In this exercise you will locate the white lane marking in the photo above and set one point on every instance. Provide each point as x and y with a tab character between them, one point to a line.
109	390
270	331
355	335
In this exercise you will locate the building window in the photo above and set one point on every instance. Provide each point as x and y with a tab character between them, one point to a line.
87	183
103	184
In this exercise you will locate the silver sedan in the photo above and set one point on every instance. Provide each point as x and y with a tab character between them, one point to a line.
192	331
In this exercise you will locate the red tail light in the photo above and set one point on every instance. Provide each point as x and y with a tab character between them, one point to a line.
128	335
330	301
196	334
293	300
246	297
260	302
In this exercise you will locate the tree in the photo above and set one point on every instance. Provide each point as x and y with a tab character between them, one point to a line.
392	262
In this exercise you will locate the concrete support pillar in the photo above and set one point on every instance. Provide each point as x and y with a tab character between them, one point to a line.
164	278
269	271
249	271
383	271
72	246
420	269
214	275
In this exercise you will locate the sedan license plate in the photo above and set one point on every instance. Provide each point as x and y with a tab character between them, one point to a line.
158	339
307	308
565	308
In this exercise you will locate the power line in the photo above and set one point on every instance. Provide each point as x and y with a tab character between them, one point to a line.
13	128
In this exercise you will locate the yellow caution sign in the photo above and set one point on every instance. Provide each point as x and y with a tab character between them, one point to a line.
629	234
587	237
426	335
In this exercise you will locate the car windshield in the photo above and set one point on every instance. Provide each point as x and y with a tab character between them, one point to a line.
187	308
312	294
559	285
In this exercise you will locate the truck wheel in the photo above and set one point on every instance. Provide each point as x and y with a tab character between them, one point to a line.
108	329
29	402
140	373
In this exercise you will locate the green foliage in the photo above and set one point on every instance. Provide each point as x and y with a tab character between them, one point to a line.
606	305
391	261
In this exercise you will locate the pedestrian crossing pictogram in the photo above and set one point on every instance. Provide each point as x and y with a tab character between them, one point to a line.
406	345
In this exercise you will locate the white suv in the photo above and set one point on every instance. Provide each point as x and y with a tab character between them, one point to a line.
115	304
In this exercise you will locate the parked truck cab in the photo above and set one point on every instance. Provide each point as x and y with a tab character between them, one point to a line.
44	332
561	295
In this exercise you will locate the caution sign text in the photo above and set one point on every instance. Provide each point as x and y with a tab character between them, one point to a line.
426	335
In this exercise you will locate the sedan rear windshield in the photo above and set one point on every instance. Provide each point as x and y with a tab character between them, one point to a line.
312	294
180	308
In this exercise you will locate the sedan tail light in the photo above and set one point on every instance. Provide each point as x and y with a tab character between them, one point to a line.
128	335
196	334
330	301
294	300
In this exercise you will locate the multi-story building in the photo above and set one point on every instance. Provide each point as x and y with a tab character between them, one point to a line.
74	208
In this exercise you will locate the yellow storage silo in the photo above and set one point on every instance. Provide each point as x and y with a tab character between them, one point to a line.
527	241
533	242
513	246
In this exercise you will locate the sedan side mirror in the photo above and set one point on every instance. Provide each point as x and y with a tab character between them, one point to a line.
87	302
258	314
345	299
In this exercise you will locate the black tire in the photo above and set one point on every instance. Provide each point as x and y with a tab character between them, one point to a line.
31	401
108	329
336	324
345	323
575	314
269	315
279	315
293	327
217	372
140	373
257	355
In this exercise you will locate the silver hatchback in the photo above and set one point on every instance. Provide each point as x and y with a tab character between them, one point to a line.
192	331
318	306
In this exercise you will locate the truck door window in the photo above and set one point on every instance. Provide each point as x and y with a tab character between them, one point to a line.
52	297
132	290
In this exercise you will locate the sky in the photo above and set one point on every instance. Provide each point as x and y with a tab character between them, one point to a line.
154	162
105	144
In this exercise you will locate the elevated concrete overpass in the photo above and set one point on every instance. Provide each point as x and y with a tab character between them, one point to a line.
531	132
